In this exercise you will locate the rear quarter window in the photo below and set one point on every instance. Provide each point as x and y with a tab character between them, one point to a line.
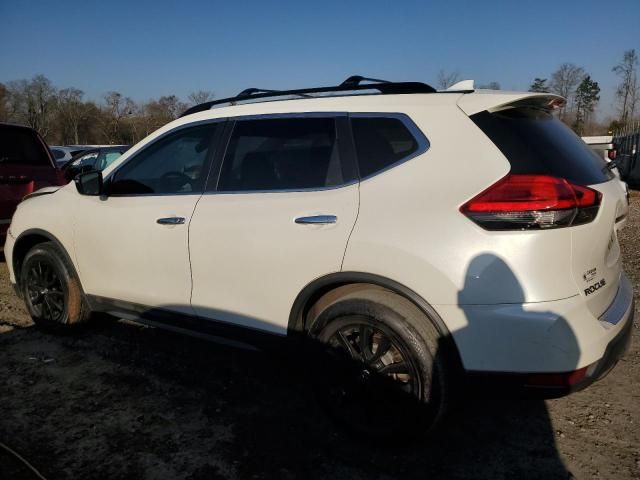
57	154
535	142
384	141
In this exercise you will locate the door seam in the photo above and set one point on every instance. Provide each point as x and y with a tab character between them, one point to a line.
344	254
189	251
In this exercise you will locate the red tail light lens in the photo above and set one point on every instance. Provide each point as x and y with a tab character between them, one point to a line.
524	202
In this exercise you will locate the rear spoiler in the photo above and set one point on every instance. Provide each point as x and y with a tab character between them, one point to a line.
496	100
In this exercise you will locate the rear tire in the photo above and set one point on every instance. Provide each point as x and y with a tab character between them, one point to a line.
51	289
382	371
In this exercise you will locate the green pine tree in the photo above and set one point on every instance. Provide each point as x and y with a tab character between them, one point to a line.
586	99
539	85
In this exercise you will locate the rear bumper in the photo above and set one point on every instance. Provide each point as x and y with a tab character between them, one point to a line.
596	352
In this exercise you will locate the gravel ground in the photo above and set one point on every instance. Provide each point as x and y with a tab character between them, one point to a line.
119	400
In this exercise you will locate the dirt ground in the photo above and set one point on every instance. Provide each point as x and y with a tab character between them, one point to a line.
123	401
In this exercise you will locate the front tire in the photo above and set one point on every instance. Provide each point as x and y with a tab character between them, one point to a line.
383	372
51	289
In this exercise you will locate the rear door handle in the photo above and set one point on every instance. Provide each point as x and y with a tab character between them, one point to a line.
171	221
317	220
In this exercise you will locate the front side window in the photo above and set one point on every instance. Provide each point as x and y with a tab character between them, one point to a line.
174	164
381	142
282	154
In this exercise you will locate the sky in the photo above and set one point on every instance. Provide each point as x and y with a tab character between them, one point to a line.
145	49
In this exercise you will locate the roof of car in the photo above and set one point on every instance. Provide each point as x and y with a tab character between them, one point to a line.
355	83
118	148
14	125
366	94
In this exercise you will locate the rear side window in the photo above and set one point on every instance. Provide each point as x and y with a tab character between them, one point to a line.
21	146
57	154
282	154
535	142
381	142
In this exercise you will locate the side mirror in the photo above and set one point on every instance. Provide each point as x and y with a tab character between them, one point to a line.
89	183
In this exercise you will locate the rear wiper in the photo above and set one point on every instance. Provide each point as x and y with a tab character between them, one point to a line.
610	165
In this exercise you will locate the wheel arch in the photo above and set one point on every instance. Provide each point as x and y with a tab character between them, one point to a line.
26	241
320	286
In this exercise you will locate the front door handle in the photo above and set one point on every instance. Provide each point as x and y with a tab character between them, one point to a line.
317	220
171	221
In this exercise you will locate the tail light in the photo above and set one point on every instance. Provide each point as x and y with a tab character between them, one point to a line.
527	202
612	154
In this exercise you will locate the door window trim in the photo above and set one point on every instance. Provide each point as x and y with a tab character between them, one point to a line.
214	146
345	151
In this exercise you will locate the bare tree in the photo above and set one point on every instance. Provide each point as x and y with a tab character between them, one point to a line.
172	106
163	110
628	91
490	86
72	112
564	82
117	108
33	102
445	80
200	96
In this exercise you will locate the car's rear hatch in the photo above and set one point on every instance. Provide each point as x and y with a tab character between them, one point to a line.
538	145
25	165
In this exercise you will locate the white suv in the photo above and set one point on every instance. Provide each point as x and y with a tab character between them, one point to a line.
425	237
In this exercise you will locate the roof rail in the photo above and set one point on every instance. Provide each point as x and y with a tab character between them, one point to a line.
353	83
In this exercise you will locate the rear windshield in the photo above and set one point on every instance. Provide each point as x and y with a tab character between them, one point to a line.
21	146
535	142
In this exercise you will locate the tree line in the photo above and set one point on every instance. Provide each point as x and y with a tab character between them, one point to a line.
63	116
582	94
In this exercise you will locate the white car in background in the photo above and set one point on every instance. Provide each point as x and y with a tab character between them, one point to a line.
602	145
419	239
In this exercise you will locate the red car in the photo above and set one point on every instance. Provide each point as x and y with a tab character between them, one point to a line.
26	164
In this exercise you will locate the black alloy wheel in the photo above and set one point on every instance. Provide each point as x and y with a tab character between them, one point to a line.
369	377
51	289
45	292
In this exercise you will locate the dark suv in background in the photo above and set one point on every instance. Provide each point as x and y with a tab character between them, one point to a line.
26	164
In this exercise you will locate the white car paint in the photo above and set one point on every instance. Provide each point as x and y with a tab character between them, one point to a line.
513	301
235	261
